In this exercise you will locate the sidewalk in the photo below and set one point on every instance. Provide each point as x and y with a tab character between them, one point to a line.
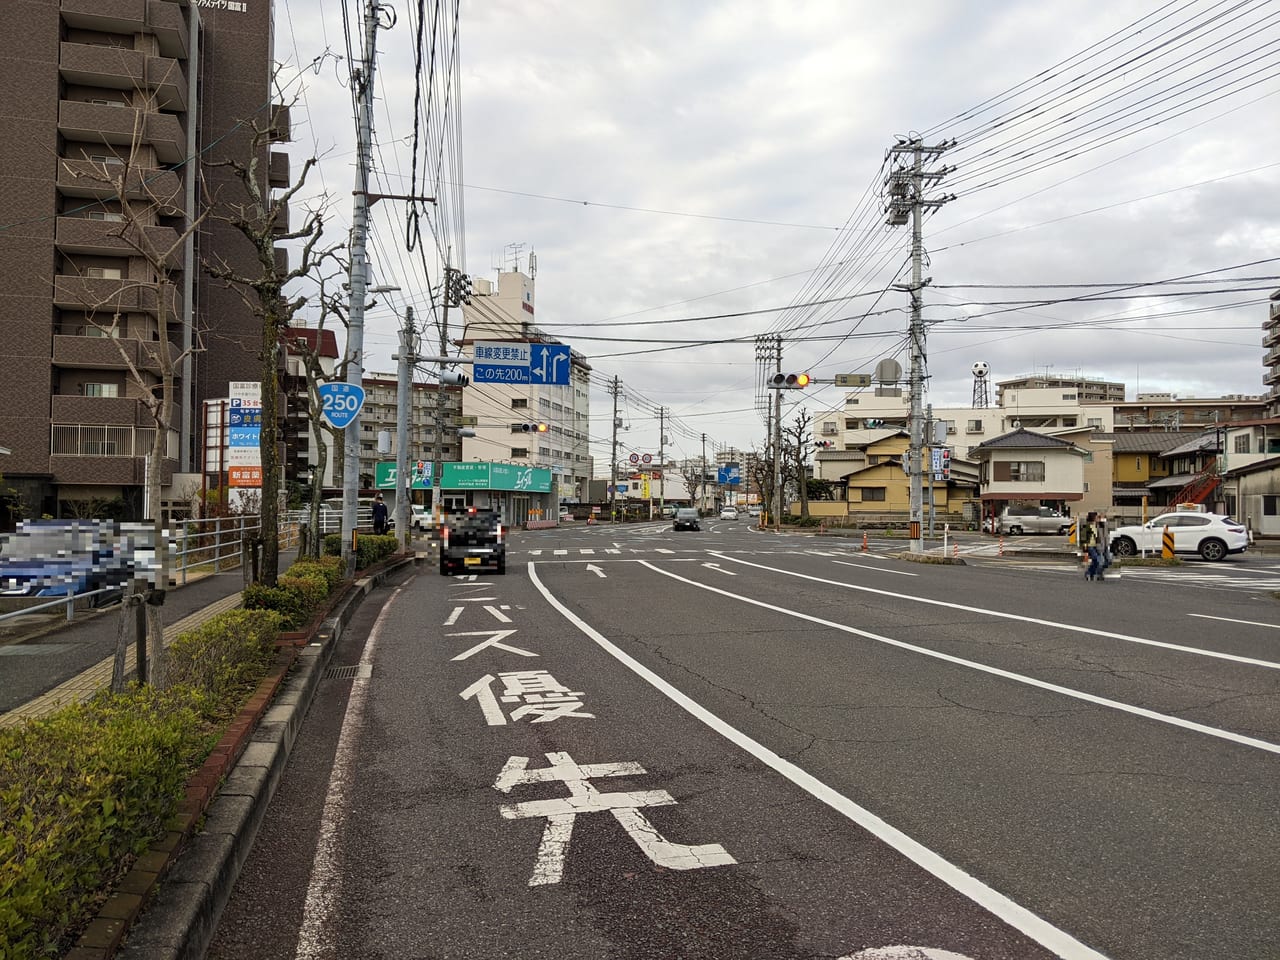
74	661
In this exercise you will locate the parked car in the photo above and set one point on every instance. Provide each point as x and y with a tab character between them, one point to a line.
1020	520
565	516
753	511
686	518
728	513
1211	535
420	517
59	558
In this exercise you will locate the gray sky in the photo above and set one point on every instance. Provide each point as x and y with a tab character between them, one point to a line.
680	160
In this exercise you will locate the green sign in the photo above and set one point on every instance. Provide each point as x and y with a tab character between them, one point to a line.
384	475
479	475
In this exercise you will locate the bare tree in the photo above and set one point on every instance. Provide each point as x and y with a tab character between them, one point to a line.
798	441
257	216
760	473
692	476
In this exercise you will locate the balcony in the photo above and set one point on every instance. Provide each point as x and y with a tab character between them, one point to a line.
169	26
278	170
1271	357
106	410
107	353
1271	376
114	68
280	128
125	471
85	178
112	296
99	123
105	238
109	16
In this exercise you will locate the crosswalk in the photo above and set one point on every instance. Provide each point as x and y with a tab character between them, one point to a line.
539	552
1237	580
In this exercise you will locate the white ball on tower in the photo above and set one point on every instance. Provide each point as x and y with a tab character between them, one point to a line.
981	369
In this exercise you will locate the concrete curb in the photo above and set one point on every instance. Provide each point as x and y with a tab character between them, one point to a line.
180	923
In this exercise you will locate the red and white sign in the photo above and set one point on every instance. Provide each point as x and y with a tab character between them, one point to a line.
244	477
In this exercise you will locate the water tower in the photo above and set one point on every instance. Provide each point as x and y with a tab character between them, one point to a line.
981	389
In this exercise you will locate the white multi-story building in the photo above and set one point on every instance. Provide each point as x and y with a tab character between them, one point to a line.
504	313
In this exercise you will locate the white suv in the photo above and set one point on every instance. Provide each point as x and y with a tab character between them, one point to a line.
1211	535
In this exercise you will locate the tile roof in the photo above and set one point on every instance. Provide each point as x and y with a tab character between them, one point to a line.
1025	439
1142	442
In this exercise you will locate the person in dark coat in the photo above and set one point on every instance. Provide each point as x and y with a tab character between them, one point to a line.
379	515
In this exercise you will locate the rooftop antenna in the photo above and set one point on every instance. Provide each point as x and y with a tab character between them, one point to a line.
513	250
533	264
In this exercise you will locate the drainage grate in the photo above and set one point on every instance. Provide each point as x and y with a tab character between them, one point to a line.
361	671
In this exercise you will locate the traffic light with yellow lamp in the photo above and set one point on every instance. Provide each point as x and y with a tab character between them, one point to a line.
789	381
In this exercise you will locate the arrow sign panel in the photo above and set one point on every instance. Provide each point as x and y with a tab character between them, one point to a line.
549	364
341	402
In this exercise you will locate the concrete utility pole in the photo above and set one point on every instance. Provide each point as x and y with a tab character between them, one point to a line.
905	183
702	498
362	81
662	462
615	387
454	294
405	360
777	440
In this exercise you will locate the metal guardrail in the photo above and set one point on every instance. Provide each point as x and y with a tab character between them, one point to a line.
219	542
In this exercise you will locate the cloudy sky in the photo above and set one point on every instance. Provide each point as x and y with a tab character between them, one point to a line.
688	173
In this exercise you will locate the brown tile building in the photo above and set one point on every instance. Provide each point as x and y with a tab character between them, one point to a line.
89	88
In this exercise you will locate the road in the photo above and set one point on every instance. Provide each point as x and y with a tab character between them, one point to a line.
736	744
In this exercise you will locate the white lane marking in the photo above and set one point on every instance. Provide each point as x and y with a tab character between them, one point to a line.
994	902
864	566
662	550
586	551
495	640
596	570
535	553
718	569
902	952
607	550
453	617
994	671
1070	627
498	614
324	888
1251	623
560	553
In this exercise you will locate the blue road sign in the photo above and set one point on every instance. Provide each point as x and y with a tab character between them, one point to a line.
549	364
243	436
244	417
499	373
341	402
728	475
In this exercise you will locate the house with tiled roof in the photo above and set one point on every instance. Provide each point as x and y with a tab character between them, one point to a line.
1023	466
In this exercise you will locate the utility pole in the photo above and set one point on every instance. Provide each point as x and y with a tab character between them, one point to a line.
662	462
404	375
362	80
455	294
702	498
615	387
777	440
905	183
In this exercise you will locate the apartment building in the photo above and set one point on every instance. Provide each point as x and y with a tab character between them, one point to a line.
504	313
91	88
380	414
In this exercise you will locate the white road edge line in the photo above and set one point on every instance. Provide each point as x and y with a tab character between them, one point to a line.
1020	918
324	889
1251	623
994	671
1071	627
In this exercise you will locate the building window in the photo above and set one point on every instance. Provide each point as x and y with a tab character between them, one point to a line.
105	215
1137	464
1068	396
1068	421
1094	422
100	389
1086	486
951	427
1242	443
103	273
872	494
851	424
519	403
106	159
830	428
973	426
1018	471
519	453
1270	505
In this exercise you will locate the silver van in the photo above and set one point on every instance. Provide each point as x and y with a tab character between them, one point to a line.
1016	520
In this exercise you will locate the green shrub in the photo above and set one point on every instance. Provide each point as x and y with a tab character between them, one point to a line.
369	548
311	590
288	603
225	657
327	567
84	791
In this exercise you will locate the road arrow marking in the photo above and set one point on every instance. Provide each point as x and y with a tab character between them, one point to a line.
716	568
596	570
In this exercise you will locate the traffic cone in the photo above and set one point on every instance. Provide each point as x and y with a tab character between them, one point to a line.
864	541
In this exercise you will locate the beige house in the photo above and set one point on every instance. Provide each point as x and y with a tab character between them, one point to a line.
1023	466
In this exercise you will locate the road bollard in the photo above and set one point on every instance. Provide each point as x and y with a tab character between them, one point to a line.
1002	546
864	542
955	551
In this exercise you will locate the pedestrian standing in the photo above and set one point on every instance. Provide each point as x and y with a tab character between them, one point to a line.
379	515
1089	544
1104	544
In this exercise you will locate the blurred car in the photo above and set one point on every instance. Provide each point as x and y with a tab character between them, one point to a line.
1210	535
1019	520
686	518
60	558
420	517
728	513
565	516
753	511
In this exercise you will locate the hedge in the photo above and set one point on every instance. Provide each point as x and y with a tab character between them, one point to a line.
370	548
87	789
299	592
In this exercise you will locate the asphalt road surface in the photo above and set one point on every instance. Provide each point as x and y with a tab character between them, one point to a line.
735	744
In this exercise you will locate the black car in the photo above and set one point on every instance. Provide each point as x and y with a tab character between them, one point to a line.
686	519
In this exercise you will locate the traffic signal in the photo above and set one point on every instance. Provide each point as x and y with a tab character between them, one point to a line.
529	428
454	379
875	423
789	381
824	443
